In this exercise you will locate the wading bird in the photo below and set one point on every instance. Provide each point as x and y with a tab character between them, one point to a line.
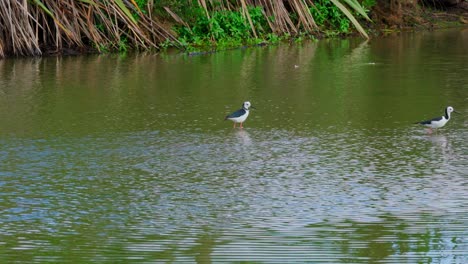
438	122
240	115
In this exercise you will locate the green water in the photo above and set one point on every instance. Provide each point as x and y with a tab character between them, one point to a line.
127	159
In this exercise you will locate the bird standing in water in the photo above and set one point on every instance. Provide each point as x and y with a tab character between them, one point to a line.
438	122
240	115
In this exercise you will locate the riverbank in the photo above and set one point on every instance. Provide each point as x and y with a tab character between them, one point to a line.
415	17
386	20
69	27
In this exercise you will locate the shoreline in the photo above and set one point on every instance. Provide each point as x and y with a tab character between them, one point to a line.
384	20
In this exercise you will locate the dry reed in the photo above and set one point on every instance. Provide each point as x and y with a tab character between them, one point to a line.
33	27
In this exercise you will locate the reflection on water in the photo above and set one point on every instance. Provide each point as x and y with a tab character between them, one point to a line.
238	195
442	142
243	137
114	159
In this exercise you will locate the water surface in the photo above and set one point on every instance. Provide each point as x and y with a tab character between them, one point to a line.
127	159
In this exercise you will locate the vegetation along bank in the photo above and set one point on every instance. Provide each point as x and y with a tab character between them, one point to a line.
45	27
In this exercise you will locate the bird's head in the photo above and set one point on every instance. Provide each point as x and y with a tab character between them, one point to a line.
450	109
246	105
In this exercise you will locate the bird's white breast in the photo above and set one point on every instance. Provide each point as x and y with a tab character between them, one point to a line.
439	123
241	118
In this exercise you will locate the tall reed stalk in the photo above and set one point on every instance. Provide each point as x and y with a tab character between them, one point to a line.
33	27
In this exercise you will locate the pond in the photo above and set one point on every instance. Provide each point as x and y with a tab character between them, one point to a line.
127	159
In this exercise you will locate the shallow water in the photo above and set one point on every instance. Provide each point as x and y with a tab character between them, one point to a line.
126	159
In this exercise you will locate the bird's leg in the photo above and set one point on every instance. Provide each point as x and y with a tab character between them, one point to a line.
429	130
234	124
241	125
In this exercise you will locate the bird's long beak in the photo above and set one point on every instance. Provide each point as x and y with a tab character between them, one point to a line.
457	112
253	107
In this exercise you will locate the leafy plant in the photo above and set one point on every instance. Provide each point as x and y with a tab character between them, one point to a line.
368	4
224	28
123	45
272	38
141	3
328	15
334	15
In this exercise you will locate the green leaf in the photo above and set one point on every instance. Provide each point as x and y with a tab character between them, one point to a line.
125	10
351	17
358	7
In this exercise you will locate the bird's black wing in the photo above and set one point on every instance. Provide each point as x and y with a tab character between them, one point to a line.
237	113
427	122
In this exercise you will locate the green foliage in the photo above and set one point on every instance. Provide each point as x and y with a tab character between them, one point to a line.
223	29
103	48
141	3
165	45
368	4
328	15
123	45
272	38
258	19
299	39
